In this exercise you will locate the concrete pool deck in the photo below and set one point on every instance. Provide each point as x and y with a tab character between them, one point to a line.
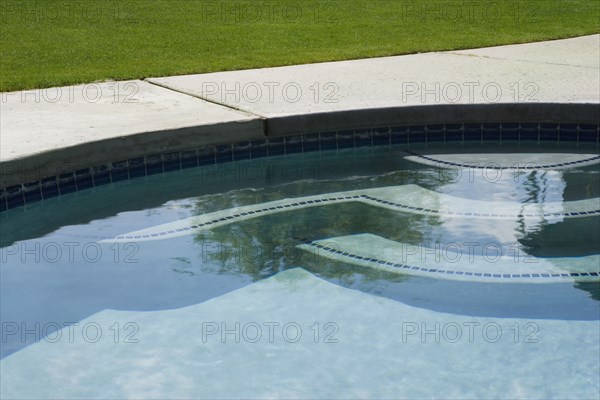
47	132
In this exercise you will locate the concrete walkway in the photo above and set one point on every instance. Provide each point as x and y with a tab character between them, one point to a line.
562	71
51	131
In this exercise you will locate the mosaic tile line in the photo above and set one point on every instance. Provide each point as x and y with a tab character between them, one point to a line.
32	191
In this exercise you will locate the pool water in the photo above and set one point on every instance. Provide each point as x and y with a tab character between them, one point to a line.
391	253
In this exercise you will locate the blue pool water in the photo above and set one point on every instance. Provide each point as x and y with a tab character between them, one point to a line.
442	230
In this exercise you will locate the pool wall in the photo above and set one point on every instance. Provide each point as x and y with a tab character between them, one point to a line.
585	135
61	140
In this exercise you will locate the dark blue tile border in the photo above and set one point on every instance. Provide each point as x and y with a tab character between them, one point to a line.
472	132
381	136
14	197
206	156
101	175
549	132
66	183
49	188
293	144
588	133
435	133
530	132
84	179
3	205
276	146
345	139
328	140
189	159
491	132
241	151
30	192
136	167
453	132
259	148
154	165
224	153
362	137
417	134
399	135
311	142
509	131
119	171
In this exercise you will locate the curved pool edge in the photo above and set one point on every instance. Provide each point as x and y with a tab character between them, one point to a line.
34	177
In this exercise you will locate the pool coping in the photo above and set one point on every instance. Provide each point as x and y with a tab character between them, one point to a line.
176	119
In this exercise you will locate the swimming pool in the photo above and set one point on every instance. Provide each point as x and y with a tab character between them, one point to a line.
359	272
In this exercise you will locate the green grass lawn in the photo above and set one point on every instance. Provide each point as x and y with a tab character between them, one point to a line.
48	43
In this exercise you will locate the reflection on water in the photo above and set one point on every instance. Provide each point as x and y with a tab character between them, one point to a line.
263	246
188	270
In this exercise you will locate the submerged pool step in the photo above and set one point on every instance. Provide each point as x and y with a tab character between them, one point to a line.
405	198
202	350
446	263
509	161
